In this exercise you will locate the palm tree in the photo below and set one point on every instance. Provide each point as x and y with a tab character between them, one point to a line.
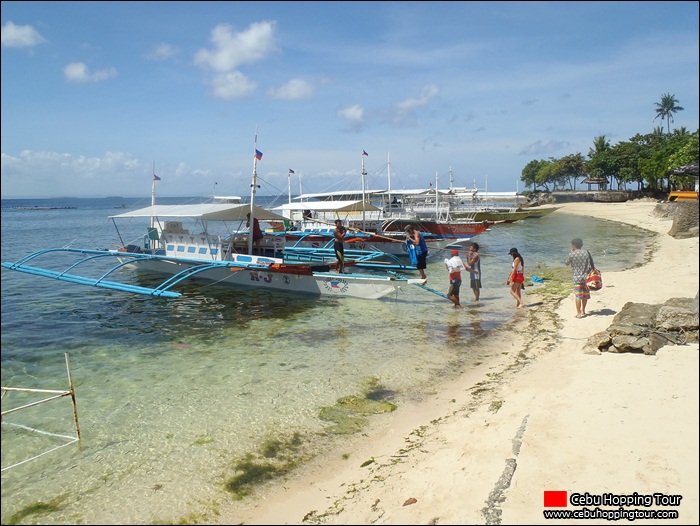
600	144
666	108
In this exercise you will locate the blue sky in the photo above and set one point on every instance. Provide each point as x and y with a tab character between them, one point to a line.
93	93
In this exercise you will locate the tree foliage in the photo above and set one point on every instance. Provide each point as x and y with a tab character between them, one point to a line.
645	161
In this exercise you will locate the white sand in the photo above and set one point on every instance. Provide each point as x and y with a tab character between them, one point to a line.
487	446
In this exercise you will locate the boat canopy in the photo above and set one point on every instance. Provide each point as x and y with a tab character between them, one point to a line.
328	206
203	211
338	195
411	192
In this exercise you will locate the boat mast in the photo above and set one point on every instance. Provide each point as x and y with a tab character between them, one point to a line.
486	191
153	193
388	173
289	187
253	186
363	188
437	204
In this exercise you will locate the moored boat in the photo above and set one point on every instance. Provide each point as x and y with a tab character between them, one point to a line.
208	251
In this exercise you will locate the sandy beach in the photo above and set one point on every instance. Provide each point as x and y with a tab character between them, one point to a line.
543	416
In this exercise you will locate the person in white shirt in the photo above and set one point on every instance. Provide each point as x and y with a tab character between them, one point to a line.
455	266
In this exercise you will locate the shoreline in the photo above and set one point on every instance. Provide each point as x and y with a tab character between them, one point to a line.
540	416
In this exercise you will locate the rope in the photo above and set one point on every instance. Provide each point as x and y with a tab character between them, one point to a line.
71	439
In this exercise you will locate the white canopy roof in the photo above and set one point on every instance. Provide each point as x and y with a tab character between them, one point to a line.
328	206
330	196
203	211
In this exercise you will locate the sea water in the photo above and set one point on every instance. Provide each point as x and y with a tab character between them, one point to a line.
172	392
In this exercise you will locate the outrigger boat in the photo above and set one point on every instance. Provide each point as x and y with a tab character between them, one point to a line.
203	255
312	225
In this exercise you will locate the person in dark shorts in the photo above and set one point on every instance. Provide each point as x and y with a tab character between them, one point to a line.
415	238
338	238
455	266
474	264
257	233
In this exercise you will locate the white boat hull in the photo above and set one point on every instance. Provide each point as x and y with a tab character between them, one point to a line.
362	286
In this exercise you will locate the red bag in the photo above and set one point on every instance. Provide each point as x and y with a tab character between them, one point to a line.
594	281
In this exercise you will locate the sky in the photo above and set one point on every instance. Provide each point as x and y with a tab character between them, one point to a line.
97	94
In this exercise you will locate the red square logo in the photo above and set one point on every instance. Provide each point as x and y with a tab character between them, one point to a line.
555	499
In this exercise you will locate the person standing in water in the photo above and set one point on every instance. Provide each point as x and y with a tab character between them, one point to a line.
516	278
474	264
415	238
455	266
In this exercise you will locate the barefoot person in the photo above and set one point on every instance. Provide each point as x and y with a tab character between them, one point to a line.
416	240
474	264
516	278
581	263
455	266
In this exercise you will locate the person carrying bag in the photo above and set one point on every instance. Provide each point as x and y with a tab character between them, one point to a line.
581	263
594	279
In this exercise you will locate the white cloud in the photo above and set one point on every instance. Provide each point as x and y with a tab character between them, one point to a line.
20	36
540	148
162	51
79	72
406	108
293	90
42	173
354	115
233	85
231	50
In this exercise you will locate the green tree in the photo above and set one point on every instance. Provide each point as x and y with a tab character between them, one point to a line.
685	152
569	169
529	173
666	108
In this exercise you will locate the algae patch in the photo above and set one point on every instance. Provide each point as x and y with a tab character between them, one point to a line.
350	412
275	458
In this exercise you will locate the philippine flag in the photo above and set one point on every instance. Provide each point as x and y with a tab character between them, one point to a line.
156	178
258	155
364	153
291	172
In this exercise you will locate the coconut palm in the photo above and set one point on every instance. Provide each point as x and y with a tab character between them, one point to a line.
600	144
666	108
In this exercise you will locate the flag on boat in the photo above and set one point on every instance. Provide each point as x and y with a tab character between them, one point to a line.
258	155
156	178
364	153
291	172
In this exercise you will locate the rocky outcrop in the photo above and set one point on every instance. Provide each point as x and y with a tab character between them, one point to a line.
583	196
685	218
644	328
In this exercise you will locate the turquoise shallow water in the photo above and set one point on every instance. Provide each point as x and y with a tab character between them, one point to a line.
171	392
